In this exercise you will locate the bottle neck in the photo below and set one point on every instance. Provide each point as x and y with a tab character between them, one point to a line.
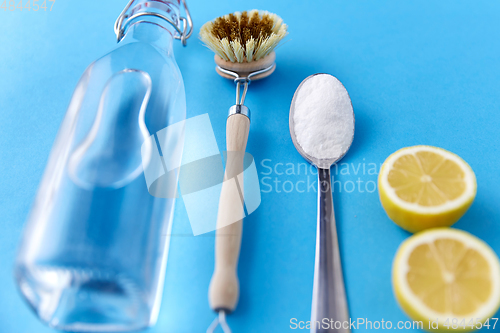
150	28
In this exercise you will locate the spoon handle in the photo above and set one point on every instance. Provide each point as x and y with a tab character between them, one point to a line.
329	304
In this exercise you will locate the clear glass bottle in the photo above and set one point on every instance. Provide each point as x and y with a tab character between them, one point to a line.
94	249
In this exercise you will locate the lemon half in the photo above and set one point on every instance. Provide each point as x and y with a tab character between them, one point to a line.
449	277
423	187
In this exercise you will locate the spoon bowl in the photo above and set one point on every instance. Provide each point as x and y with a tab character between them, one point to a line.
323	163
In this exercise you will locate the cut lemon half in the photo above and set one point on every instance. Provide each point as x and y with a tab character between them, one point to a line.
423	187
448	279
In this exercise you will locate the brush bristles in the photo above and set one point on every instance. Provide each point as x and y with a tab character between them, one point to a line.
244	37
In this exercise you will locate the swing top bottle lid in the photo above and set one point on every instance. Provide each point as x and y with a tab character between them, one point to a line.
166	10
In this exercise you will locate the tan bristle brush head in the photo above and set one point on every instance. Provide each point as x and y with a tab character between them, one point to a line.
244	42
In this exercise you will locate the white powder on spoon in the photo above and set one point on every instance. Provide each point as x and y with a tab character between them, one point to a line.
323	117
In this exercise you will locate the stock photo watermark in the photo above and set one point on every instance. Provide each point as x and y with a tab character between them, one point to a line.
364	323
302	177
27	5
196	163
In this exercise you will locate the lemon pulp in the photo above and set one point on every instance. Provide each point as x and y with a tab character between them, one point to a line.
426	178
448	277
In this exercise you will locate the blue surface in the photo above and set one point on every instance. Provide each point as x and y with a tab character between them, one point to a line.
418	72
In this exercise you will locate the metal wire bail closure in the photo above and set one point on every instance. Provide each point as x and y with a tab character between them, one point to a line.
182	34
245	80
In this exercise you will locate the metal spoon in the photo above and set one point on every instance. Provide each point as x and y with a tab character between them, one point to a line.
329	296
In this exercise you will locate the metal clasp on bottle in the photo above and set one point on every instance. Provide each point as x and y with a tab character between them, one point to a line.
183	33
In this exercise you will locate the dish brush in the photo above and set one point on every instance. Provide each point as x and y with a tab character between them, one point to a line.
243	43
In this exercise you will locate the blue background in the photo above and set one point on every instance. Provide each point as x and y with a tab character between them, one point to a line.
418	72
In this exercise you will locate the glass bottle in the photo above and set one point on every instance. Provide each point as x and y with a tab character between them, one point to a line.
94	249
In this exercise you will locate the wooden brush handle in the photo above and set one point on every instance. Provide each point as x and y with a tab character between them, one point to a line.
224	287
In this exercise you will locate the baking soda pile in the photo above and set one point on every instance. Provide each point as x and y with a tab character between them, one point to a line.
323	117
